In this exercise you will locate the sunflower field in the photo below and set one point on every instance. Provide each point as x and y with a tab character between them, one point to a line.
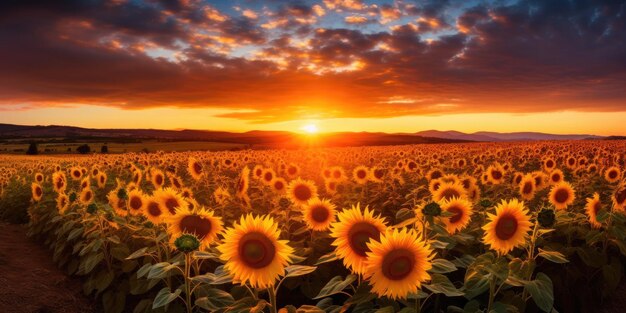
480	227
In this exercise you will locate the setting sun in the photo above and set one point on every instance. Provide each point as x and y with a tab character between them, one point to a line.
310	129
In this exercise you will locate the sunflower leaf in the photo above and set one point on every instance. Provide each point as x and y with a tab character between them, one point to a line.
541	291
299	270
336	285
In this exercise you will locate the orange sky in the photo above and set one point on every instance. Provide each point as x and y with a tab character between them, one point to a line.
344	65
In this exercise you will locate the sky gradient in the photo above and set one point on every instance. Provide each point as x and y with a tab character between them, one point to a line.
344	65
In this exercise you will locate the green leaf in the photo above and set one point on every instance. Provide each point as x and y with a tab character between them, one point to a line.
137	254
442	266
88	264
204	255
75	233
541	291
160	270
336	285
441	284
330	257
164	297
215	299
299	270
553	256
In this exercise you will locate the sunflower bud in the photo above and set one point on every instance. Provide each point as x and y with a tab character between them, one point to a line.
92	208
546	218
485	203
73	197
432	209
122	194
187	243
109	216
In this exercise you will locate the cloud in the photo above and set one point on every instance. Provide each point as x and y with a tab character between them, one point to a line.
292	63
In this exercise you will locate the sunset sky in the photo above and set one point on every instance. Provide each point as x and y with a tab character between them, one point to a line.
341	65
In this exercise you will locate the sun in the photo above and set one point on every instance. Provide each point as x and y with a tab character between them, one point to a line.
310	128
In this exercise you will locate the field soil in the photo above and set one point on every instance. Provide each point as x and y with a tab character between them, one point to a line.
30	282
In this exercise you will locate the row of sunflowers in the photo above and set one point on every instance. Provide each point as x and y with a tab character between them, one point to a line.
509	227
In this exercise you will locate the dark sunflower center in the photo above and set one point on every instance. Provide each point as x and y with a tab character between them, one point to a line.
320	213
496	174
171	204
121	204
195	224
506	227
291	171
359	235
571	161
88	196
550	163
279	185
256	250
379	174
268	176
337	174
435	175
361	174
612	174
556	177
154	209
302	192
135	203
561	196
60	184
458	214
398	264
450	193
197	167
38	191
528	188
159	180
518	179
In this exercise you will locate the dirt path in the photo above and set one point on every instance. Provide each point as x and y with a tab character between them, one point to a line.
30	282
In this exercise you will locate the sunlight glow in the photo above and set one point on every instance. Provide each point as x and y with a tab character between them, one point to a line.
310	128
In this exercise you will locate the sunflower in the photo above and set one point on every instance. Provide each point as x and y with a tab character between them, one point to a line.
63	202
170	200
176	181
257	172
157	178
199	222
462	212
85	183
555	177
76	173
612	174
562	195
39	178
398	263
154	211
447	191
243	183
619	197
137	176
86	196
592	208
301	191
434	174
352	231
360	174
377	174
136	202
473	194
195	169
508	228
337	174
268	176
496	174
292	170
319	214
221	195
59	182
527	187
101	178
37	191
253	253
279	185
118	204
549	164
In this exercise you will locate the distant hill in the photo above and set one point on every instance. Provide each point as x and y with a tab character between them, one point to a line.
494	136
262	139
257	139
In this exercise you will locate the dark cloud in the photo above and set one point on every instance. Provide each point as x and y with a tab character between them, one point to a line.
529	56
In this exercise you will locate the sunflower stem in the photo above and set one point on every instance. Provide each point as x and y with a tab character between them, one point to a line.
188	281
272	295
492	294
